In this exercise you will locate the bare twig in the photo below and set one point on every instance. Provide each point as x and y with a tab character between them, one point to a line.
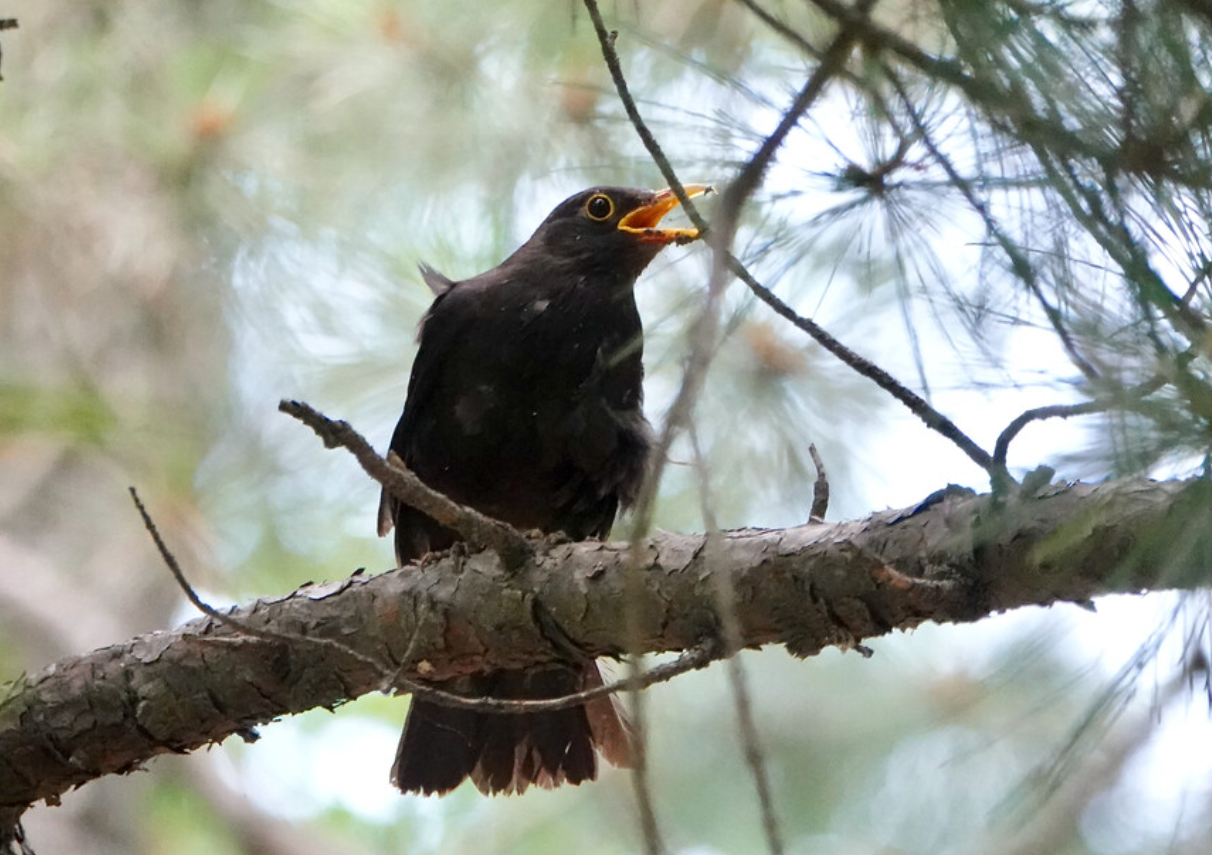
751	745
606	40
820	487
1122	398
702	335
755	757
1064	411
855	23
649	825
1054	411
241	626
692	659
641	781
481	531
703	331
932	418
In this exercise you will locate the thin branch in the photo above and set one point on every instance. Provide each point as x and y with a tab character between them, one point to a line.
692	659
606	40
755	757
820	487
640	781
703	331
482	532
836	52
1053	411
240	626
1066	411
932	418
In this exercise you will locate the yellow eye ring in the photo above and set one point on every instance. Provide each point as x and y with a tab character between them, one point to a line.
599	207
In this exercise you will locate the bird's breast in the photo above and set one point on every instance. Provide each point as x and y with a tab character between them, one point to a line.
534	409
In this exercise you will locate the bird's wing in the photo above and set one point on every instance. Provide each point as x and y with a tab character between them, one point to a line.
440	330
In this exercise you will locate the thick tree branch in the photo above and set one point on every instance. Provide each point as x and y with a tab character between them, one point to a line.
955	558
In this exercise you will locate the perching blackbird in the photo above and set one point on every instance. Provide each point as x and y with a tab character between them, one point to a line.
524	403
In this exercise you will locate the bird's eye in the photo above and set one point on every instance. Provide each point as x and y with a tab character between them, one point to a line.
599	207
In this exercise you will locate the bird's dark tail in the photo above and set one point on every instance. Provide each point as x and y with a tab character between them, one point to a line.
506	753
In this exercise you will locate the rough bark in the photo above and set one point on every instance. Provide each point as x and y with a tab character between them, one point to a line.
955	557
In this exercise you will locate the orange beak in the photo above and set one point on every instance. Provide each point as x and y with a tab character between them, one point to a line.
644	220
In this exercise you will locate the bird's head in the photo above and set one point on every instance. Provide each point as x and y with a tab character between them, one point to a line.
614	229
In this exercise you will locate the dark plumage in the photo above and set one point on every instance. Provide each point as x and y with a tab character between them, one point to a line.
525	403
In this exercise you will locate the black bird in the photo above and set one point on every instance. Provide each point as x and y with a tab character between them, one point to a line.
525	403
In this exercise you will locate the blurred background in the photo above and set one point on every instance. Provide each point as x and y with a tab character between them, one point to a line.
207	207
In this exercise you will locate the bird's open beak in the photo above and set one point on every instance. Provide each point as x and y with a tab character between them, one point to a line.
643	221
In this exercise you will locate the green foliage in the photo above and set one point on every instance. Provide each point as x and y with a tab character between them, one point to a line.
84	416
